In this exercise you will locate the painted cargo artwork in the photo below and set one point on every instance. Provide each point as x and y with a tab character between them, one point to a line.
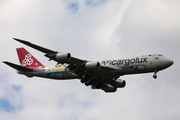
58	71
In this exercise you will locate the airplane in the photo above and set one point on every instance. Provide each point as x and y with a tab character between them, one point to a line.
102	75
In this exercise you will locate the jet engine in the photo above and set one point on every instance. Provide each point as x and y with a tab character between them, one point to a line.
109	88
63	57
92	65
118	83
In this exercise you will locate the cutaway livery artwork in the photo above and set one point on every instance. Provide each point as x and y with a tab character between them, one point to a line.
102	75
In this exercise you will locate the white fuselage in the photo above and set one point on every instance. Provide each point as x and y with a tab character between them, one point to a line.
133	65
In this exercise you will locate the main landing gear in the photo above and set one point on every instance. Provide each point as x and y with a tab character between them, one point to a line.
155	76
85	80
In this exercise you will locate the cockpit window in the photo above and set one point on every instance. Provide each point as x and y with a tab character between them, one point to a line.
160	55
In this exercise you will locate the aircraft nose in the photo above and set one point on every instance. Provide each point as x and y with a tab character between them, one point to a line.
168	62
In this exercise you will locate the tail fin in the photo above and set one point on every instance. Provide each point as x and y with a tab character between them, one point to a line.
26	59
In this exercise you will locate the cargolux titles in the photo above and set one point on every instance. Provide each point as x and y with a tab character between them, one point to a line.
128	61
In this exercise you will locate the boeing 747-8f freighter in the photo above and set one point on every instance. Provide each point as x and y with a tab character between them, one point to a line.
97	74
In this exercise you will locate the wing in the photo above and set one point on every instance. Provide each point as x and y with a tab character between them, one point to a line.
49	53
53	55
90	73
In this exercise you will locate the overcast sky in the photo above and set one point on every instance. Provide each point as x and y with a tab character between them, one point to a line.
92	30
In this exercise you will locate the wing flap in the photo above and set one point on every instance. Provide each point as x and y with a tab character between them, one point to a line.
77	61
78	70
17	67
110	68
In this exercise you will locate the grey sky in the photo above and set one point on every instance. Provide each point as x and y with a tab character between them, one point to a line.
92	30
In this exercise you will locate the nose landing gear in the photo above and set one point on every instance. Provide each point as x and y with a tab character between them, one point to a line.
155	76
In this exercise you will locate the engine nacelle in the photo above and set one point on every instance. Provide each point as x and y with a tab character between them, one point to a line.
63	57
118	83
109	88
92	65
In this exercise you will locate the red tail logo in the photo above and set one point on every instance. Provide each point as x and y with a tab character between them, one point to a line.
26	59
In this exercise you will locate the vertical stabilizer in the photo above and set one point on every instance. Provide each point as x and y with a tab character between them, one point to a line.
26	59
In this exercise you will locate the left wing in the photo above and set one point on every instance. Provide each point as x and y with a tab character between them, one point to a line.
48	53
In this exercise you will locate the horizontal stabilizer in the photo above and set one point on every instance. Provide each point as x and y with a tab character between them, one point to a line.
17	67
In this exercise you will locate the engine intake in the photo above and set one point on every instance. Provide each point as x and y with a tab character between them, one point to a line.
63	57
92	65
118	83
